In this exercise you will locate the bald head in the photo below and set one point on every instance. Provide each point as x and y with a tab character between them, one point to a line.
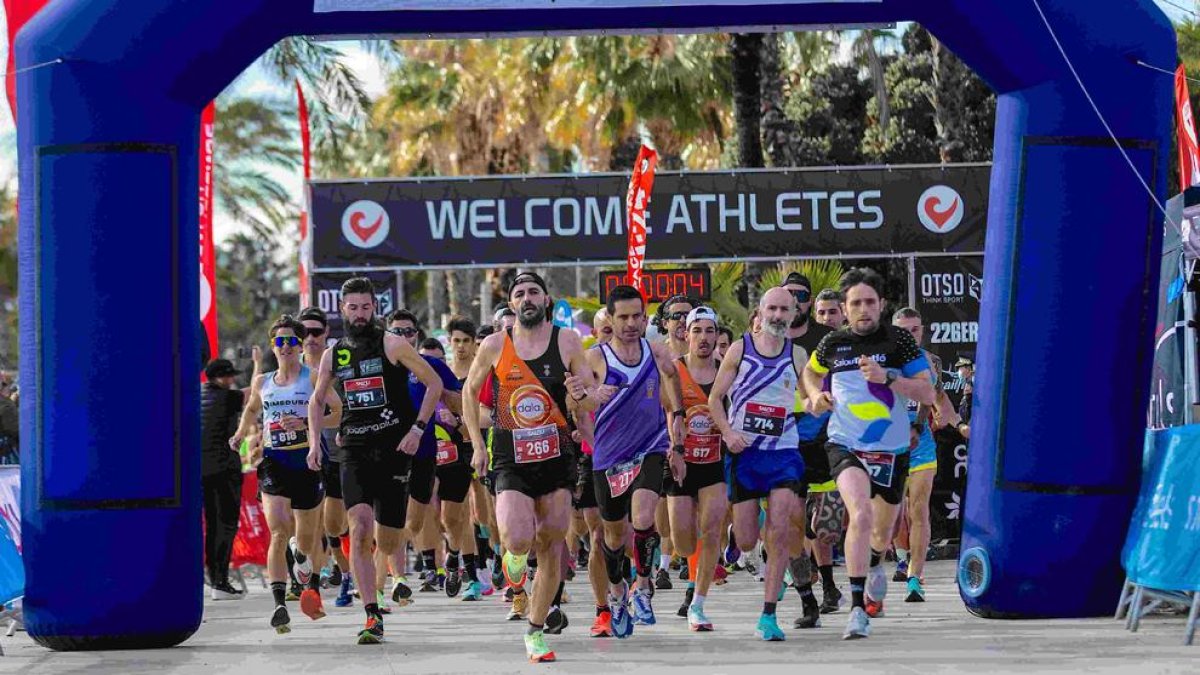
777	307
602	326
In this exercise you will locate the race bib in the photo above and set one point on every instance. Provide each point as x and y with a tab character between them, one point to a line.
764	420
447	452
536	445
622	475
282	438
881	466
365	392
701	449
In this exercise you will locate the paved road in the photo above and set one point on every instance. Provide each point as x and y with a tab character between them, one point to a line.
439	635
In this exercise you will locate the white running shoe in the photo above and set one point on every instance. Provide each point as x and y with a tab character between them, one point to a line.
877	583
302	570
858	626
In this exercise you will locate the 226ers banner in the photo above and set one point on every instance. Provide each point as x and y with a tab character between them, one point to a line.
948	292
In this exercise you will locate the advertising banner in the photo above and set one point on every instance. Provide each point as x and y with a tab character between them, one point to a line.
1162	549
392	5
696	216
1168	381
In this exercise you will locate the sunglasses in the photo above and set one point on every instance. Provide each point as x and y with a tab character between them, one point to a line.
289	340
802	295
405	332
675	316
313	332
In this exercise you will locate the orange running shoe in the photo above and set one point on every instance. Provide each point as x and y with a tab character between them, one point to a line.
310	604
874	608
602	626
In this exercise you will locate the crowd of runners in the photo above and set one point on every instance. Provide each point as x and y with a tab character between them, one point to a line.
522	458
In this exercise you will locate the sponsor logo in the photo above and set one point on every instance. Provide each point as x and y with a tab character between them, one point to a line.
343	357
371	366
531	406
699	420
940	209
345	373
976	288
365	224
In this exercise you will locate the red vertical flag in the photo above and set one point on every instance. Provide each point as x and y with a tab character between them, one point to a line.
1189	152
208	262
305	240
18	13
636	202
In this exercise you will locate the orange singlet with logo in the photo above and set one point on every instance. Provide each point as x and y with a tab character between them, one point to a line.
702	442
530	429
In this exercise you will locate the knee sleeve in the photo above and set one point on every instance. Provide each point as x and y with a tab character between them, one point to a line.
613	562
645	542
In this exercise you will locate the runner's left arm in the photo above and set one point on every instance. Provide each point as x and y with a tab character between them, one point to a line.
914	381
399	351
672	389
581	380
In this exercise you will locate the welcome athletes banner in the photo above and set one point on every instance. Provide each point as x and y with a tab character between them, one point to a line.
514	220
327	294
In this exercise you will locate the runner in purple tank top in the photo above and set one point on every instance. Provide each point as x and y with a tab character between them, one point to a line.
631	446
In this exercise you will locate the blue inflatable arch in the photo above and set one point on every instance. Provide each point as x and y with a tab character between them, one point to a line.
109	282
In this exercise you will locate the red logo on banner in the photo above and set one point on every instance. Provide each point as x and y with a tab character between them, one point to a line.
208	261
1189	151
636	201
365	224
940	209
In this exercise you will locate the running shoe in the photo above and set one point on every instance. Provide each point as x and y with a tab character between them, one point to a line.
602	626
687	602
768	629
224	591
581	560
473	592
811	618
280	621
310	604
732	552
662	581
302	570
294	591
485	584
401	593
831	600
901	574
335	575
858	626
498	577
509	592
643	611
345	596
877	582
556	621
381	600
622	619
536	649
915	592
697	621
684	572
429	582
454	583
372	632
720	574
874	608
520	607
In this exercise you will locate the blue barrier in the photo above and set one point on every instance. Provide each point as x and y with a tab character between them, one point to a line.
1162	549
12	572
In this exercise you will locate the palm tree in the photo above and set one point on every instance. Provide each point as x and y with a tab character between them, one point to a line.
867	54
251	135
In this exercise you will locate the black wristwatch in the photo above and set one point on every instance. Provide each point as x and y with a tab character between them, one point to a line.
678	447
420	425
678	413
890	378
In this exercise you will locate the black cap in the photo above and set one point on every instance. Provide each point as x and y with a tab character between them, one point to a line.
219	368
798	279
527	277
313	314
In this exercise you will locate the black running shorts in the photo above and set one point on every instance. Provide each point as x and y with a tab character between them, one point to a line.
613	509
379	479
841	459
301	486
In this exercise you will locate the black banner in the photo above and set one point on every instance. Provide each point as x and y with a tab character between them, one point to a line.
510	220
948	292
1168	383
327	294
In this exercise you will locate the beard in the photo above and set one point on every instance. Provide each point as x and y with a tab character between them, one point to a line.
531	315
358	330
777	328
800	319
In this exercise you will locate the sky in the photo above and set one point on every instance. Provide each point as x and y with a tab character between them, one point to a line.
255	82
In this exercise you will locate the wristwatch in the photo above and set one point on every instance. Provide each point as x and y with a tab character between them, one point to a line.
678	413
678	447
890	378
418	424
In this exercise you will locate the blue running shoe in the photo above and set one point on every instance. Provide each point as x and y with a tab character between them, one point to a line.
473	592
915	592
622	619
345	597
642	609
768	629
732	552
901	574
